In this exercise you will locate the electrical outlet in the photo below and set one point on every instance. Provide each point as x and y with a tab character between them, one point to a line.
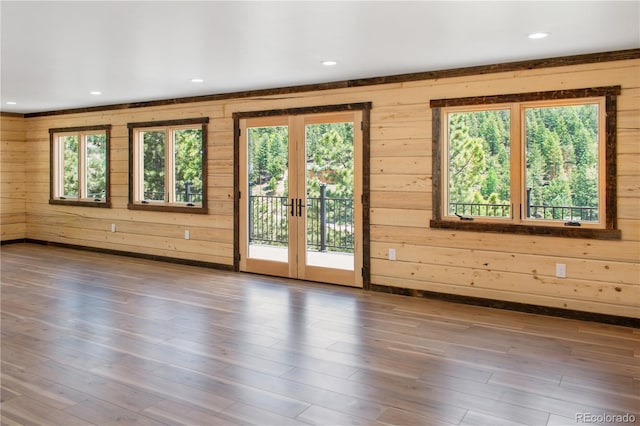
113	227
561	270
186	234
392	254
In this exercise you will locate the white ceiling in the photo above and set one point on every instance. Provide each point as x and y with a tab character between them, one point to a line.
54	53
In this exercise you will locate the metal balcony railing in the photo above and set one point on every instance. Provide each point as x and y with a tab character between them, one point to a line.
184	196
330	224
534	211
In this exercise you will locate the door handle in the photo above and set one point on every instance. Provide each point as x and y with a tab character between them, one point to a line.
300	206
293	206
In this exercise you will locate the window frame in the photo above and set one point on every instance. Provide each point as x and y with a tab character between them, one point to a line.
56	167
605	229
135	165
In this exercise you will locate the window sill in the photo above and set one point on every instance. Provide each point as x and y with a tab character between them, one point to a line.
509	228
170	209
99	204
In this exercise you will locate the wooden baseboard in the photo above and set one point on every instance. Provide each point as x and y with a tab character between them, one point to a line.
16	241
511	306
132	254
467	300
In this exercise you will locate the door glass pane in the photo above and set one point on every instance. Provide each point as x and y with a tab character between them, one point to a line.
153	146
96	166
188	166
478	164
562	163
329	190
268	175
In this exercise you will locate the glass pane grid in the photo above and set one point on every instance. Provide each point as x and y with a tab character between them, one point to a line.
153	152
96	166
562	163
188	166
268	173
479	164
70	187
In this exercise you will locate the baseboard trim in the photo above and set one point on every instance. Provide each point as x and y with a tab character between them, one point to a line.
16	241
511	306
447	297
168	259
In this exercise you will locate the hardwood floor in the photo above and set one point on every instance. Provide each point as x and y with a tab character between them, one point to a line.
95	339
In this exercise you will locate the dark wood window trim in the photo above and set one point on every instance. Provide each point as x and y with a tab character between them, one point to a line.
52	169
365	107
132	205
610	232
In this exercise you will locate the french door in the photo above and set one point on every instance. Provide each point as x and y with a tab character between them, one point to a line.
300	206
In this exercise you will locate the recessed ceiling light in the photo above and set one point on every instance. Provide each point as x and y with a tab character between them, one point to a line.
11	103
536	36
329	63
197	80
95	92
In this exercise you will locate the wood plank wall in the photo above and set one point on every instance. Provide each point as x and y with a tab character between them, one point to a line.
602	276
13	188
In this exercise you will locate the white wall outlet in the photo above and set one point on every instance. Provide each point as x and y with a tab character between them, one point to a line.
392	254
186	234
113	227
561	270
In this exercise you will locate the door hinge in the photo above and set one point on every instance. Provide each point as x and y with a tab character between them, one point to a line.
239	195
239	132
362	125
239	257
364	273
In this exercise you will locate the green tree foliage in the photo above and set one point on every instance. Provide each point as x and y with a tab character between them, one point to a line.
566	139
96	166
466	161
153	149
330	159
561	157
479	160
268	160
188	165
70	152
536	174
95	163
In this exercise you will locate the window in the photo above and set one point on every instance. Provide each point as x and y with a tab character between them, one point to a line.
80	166
537	163
168	162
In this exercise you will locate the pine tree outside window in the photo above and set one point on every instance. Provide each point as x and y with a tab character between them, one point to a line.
537	163
80	166
168	165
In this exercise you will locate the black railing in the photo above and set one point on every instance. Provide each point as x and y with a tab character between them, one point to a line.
184	196
569	213
268	220
479	209
572	213
329	222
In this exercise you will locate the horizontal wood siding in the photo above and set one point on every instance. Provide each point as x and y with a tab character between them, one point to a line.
602	276
13	188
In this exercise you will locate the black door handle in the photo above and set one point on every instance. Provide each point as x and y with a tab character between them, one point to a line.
293	206
300	206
